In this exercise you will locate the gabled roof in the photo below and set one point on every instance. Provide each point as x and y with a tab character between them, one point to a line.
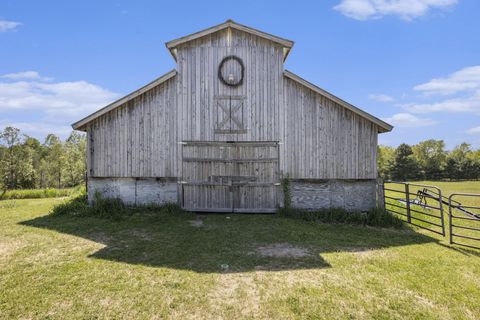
382	125
287	44
79	125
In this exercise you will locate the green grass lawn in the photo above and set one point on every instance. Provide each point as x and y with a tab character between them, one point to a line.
153	266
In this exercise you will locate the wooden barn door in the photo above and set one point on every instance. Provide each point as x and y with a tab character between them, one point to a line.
230	177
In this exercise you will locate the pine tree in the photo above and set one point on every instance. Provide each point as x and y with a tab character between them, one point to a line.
404	166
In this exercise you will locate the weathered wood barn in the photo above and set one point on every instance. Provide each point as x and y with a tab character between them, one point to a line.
220	131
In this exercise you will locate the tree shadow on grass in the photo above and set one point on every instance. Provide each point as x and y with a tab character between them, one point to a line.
220	243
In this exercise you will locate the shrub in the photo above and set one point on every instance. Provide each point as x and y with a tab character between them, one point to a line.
75	206
112	208
287	193
381	218
373	217
107	207
101	207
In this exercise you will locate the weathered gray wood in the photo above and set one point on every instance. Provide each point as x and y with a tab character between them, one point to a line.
323	140
230	27
279	122
237	180
124	143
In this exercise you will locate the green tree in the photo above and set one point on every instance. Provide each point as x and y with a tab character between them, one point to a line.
404	167
475	156
33	149
25	167
10	136
385	156
26	163
431	158
54	160
461	162
74	166
451	168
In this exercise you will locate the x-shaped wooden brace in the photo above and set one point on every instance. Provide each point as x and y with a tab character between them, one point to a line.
229	112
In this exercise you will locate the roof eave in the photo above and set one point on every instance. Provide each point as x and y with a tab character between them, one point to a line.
229	24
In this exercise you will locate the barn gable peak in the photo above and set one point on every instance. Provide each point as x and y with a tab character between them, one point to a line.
173	44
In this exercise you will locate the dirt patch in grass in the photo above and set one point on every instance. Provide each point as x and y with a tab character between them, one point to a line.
282	250
9	246
196	223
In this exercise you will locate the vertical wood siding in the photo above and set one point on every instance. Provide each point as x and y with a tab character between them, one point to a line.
199	86
137	139
323	140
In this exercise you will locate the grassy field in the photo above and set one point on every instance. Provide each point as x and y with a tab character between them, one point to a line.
153	266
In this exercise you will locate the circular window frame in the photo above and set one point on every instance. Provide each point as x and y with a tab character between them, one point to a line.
242	73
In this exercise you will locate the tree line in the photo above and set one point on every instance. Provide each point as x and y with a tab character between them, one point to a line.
428	160
27	163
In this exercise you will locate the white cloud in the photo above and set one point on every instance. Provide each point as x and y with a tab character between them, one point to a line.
380	97
58	103
6	25
475	130
25	75
466	79
407	120
463	86
375	9
38	129
468	104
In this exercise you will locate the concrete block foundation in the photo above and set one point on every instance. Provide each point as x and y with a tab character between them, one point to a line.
135	191
352	195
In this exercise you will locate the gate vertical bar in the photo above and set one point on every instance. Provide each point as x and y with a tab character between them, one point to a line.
407	199
440	202
450	219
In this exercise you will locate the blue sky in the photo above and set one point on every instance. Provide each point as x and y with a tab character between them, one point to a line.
414	63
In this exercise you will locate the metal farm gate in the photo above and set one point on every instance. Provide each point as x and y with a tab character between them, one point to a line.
230	176
423	206
417	204
464	220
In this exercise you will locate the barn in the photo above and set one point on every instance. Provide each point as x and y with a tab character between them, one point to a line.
220	132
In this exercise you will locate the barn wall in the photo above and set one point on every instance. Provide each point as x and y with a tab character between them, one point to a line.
319	139
323	140
137	139
199	86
